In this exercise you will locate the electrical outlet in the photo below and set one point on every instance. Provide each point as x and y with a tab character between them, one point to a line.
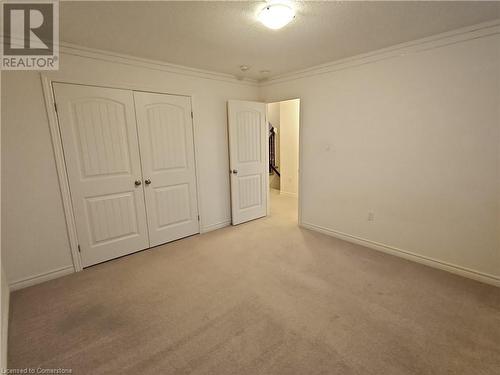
371	216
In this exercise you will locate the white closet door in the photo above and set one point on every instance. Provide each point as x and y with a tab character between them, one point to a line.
248	154
167	154
101	150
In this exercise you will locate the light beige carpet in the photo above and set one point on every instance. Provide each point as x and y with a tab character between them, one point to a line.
262	298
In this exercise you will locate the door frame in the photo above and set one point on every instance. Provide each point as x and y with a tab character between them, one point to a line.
301	162
55	135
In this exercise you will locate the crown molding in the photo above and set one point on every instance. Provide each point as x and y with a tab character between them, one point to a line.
477	31
98	54
481	30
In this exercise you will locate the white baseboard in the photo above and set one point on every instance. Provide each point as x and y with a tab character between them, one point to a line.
287	194
452	268
211	227
40	278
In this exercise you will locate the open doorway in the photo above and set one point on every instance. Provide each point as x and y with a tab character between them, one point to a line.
284	122
264	180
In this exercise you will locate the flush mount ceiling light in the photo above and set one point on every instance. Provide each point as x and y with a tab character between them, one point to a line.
275	16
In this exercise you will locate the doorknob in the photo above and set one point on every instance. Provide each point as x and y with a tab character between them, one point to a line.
137	182
147	181
235	171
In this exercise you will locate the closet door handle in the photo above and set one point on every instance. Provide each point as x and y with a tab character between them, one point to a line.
137	182
147	181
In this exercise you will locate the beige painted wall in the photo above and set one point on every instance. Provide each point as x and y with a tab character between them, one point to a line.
273	114
35	238
289	147
413	138
4	297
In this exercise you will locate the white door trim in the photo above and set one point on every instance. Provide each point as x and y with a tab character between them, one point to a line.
301	153
55	135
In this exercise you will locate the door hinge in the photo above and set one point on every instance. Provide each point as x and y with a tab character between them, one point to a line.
79	250
55	106
192	115
198	217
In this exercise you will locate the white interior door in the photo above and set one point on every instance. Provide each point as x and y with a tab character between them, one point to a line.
167	153
248	154
101	150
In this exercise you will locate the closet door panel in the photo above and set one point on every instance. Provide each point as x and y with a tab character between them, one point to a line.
101	150
167	154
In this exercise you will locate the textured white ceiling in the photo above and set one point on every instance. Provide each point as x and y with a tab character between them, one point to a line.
221	35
